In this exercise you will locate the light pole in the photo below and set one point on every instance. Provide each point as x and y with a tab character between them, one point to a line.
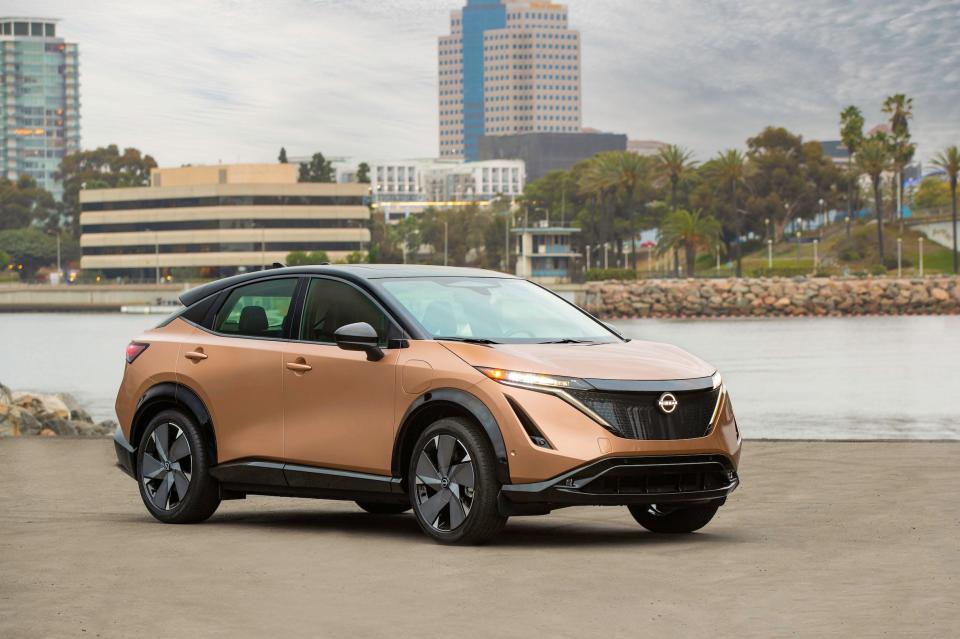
769	253
606	256
718	258
263	249
444	242
798	247
816	256
848	227
822	220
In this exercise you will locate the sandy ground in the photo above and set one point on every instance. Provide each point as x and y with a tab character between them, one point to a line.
821	540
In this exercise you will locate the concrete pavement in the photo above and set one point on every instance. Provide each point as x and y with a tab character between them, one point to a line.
821	540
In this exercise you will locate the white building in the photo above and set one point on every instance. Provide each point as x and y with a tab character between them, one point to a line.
408	186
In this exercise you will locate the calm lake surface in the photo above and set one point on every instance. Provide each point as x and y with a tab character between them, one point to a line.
828	378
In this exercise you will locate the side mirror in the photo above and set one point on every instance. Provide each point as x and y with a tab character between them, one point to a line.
359	336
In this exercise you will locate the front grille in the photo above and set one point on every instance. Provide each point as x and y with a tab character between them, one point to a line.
637	415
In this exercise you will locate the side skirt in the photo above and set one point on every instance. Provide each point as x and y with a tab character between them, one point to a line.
255	477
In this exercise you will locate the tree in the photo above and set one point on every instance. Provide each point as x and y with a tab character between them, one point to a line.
23	203
949	161
900	109
780	184
5	258
690	231
302	258
104	167
35	249
619	185
873	159
933	193
554	194
675	163
851	134
318	169
282	158
730	170
363	173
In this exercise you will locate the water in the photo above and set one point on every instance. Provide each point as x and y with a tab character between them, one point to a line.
828	378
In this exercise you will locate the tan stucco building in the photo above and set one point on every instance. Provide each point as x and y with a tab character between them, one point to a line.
220	220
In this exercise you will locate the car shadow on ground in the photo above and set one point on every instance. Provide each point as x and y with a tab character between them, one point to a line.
520	531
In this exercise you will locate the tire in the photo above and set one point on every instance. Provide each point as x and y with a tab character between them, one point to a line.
379	508
447	507
173	470
679	519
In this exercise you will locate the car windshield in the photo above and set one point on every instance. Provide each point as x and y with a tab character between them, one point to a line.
493	310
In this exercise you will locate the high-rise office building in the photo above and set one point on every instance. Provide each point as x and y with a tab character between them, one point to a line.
507	67
39	100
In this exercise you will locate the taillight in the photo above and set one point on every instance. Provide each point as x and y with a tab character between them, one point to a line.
133	351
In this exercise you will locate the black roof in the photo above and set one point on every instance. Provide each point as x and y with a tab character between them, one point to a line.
355	272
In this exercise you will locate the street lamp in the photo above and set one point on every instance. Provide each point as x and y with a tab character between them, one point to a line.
798	246
899	257
822	220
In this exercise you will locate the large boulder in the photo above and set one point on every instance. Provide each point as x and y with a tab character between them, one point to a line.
41	405
16	422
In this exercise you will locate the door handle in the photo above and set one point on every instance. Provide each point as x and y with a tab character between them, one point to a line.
298	367
195	356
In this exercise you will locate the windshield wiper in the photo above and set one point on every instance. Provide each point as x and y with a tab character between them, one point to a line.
567	340
468	340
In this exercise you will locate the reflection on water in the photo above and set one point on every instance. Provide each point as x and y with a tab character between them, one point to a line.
834	378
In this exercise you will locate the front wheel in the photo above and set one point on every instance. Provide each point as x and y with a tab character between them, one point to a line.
663	518
173	467
453	485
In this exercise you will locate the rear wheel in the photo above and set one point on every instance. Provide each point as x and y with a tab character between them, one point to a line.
173	467
664	518
377	508
453	484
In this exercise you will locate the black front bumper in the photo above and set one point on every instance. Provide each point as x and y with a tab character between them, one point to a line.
623	481
126	454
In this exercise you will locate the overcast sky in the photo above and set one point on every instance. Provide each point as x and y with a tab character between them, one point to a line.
194	81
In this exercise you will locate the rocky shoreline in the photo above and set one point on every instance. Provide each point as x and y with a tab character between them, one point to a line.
773	297
24	414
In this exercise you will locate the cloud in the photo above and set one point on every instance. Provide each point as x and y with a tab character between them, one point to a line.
234	80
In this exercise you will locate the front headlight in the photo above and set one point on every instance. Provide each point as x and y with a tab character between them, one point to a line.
717	380
533	380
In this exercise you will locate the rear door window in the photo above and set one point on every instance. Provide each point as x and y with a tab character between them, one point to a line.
261	309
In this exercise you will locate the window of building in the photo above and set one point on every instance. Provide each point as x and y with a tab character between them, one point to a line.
49	30
36	28
21	28
258	310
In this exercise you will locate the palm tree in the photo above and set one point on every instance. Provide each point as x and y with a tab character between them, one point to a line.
873	159
851	134
900	109
690	231
729	169
949	161
618	183
675	163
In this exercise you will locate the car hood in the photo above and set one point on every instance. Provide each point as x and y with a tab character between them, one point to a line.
635	360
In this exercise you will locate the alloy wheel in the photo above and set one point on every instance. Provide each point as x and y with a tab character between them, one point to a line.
167	466
445	483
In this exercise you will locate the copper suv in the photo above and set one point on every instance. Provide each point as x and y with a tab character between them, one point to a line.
466	395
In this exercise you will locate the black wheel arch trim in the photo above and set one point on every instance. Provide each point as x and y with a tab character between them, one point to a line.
166	393
465	401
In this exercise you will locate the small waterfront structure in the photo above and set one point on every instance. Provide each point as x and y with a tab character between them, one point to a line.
545	253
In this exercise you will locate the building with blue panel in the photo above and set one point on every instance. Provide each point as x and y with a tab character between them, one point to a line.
507	67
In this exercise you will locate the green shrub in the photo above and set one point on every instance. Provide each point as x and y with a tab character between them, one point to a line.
598	274
781	271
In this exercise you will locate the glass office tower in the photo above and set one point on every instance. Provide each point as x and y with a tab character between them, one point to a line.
39	100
